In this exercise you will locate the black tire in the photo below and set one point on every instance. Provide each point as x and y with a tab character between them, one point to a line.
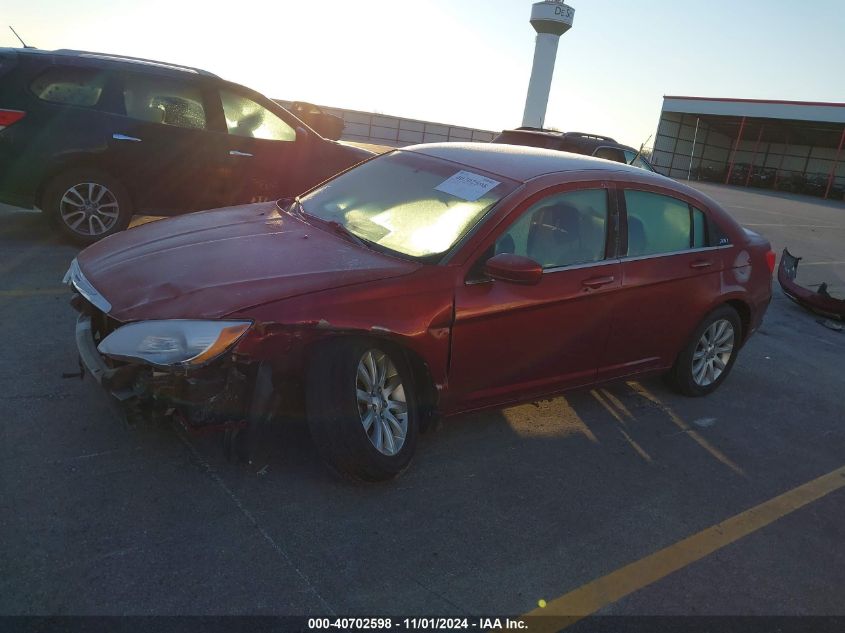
115	194
681	377
251	445
334	418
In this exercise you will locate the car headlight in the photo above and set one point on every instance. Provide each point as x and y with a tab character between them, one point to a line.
173	342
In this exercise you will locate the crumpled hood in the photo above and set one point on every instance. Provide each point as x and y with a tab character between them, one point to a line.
213	263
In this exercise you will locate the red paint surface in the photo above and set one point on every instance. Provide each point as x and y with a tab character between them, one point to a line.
483	344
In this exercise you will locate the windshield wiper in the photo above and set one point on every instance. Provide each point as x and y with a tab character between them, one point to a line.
341	229
295	207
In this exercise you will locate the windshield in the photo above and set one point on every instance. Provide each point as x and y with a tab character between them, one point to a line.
408	203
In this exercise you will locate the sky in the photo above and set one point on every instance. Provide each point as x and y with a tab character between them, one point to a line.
467	62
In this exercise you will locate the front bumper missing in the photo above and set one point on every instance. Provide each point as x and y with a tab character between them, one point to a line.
115	380
819	302
211	398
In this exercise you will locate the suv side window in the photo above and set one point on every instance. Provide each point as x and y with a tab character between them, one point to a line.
561	230
610	153
164	100
70	86
245	117
661	224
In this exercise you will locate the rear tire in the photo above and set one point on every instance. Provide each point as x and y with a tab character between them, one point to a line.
359	431
709	355
87	204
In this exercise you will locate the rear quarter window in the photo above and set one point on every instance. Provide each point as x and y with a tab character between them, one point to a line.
70	86
716	236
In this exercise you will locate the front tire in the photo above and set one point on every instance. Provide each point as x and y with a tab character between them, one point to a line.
710	354
362	408
87	205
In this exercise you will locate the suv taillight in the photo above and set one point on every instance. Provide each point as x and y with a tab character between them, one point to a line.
7	117
770	261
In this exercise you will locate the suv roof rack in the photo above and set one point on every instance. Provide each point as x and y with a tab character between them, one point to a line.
598	137
528	128
134	60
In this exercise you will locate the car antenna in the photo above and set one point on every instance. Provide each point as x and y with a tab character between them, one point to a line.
640	151
19	37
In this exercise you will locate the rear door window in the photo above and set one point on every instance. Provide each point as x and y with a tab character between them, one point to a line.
245	117
699	229
658	224
70	86
164	100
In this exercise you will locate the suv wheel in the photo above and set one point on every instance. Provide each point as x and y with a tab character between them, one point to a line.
362	408
87	205
710	354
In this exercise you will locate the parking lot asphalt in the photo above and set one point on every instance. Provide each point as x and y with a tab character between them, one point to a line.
499	510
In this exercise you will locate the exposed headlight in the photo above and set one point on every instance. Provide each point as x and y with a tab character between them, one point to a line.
173	342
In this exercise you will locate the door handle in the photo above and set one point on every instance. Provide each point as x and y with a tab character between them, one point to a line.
597	282
701	263
234	152
123	137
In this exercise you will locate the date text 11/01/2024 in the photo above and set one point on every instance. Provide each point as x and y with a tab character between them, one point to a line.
431	623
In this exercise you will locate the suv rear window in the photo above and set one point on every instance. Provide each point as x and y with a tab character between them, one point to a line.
610	153
528	139
70	86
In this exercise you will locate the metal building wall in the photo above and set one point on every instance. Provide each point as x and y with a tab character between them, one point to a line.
382	129
687	147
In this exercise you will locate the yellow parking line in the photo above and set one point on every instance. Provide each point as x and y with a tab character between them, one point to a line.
34	292
608	589
609	408
617	403
639	449
715	452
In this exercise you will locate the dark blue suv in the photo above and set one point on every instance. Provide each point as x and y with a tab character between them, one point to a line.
92	139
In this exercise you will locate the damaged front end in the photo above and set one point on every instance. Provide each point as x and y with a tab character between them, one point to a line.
178	366
819	301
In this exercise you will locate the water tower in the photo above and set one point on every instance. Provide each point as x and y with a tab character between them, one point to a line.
550	19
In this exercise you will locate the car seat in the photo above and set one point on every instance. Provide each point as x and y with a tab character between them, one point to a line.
637	242
554	238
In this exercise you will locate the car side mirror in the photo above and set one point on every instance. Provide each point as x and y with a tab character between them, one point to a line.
301	135
514	269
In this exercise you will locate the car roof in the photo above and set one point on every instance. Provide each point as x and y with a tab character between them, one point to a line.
518	162
106	59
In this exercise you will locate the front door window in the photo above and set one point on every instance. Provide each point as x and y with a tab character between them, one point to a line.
246	118
564	229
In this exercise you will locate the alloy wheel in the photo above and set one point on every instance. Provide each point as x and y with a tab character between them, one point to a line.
382	404
89	208
713	352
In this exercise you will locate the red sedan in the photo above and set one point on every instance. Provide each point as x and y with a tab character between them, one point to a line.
433	280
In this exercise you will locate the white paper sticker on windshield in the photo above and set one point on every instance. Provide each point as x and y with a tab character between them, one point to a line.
467	185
